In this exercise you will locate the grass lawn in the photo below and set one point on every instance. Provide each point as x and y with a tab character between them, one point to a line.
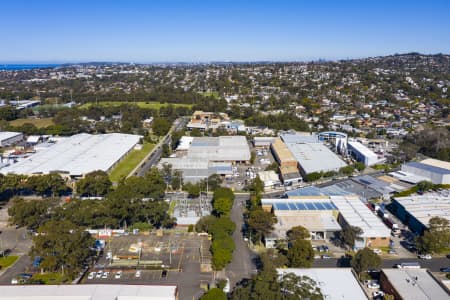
39	123
8	261
211	94
141	104
130	162
50	278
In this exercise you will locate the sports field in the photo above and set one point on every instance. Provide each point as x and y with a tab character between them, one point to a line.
39	123
141	104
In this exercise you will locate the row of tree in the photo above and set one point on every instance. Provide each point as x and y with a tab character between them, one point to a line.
220	227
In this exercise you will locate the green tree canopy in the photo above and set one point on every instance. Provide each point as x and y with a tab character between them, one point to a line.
62	246
437	238
161	126
364	260
298	233
350	234
300	254
96	183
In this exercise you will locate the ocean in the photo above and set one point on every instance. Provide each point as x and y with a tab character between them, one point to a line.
26	66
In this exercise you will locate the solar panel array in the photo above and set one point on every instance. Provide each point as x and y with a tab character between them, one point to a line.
317	205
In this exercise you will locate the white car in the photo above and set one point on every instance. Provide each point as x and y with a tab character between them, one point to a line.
92	275
376	250
377	294
227	287
425	256
118	275
373	285
138	274
99	274
105	275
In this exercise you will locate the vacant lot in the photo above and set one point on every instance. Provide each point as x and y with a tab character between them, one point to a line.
130	162
39	123
141	104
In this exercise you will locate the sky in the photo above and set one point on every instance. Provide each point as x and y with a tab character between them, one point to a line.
201	31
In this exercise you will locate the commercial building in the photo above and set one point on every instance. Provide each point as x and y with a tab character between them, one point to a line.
334	283
362	154
199	157
77	155
263	141
223	148
436	171
317	214
89	292
412	284
8	138
282	154
416	211
270	179
353	212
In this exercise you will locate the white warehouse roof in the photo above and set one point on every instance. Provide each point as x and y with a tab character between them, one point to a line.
356	213
89	292
362	149
334	283
315	157
77	155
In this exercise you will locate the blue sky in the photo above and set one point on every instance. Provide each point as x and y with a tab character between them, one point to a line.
191	30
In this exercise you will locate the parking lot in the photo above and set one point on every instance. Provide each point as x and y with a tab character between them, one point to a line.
173	258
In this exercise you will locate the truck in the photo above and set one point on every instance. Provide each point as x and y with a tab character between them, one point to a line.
408	265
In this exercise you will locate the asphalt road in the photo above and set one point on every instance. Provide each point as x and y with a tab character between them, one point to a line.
433	265
156	153
242	265
19	267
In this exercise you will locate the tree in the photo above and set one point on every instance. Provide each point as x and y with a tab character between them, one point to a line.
424	186
300	254
222	206
347	170
193	190
364	260
313	176
298	233
96	184
160	126
350	234
260	223
62	246
214	294
257	186
31	213
196	132
359	166
437	238
46	185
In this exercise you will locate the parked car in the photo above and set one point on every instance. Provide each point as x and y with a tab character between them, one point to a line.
373	285
326	256
425	256
105	275
377	251
164	274
378	294
392	252
92	275
138	274
118	275
446	270
99	274
227	287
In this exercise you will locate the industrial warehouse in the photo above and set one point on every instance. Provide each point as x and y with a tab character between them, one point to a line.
324	215
306	153
76	155
200	157
436	171
416	211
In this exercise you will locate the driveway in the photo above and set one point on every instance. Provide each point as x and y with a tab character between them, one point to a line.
242	265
